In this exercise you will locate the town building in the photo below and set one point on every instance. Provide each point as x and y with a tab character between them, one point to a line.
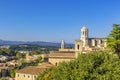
4	58
24	52
56	57
31	72
4	47
4	71
30	58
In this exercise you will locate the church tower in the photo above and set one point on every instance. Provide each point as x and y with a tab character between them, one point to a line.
62	44
84	35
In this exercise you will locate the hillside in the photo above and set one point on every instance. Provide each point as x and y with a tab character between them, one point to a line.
42	43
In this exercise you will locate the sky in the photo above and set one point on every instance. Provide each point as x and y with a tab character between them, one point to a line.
56	20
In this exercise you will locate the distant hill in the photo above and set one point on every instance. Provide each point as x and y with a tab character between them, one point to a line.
4	42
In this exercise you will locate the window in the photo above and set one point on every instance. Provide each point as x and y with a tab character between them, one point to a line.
56	63
18	75
83	32
101	41
78	46
24	75
96	43
34	76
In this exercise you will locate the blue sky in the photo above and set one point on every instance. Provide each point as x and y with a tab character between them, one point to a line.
54	20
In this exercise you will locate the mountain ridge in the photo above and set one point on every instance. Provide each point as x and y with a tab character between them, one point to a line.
43	43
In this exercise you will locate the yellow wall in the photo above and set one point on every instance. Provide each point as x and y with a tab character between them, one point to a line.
22	76
67	50
58	60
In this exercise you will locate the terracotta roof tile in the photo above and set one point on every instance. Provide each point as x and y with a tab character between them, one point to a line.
31	70
34	70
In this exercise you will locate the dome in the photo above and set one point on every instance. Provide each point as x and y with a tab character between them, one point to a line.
62	41
84	28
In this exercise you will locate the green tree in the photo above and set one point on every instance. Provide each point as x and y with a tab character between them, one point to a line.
19	55
113	41
38	59
12	73
92	66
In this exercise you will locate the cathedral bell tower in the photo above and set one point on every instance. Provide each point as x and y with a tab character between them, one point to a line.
81	44
62	44
84	36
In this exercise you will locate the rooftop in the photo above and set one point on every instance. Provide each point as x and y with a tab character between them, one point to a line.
35	70
62	55
97	38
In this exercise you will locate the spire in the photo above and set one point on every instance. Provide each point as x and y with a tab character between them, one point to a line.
62	44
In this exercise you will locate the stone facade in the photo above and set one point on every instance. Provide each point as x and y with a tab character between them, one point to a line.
56	61
55	58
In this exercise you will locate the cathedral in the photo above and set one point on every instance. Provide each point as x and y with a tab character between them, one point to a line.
86	44
83	45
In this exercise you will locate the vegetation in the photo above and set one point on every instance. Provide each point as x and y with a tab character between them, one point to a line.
19	55
36	49
91	66
38	59
12	73
113	41
7	52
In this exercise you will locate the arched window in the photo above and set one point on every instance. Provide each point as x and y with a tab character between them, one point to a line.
78	46
34	76
96	42
18	75
28	76
24	75
83	32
